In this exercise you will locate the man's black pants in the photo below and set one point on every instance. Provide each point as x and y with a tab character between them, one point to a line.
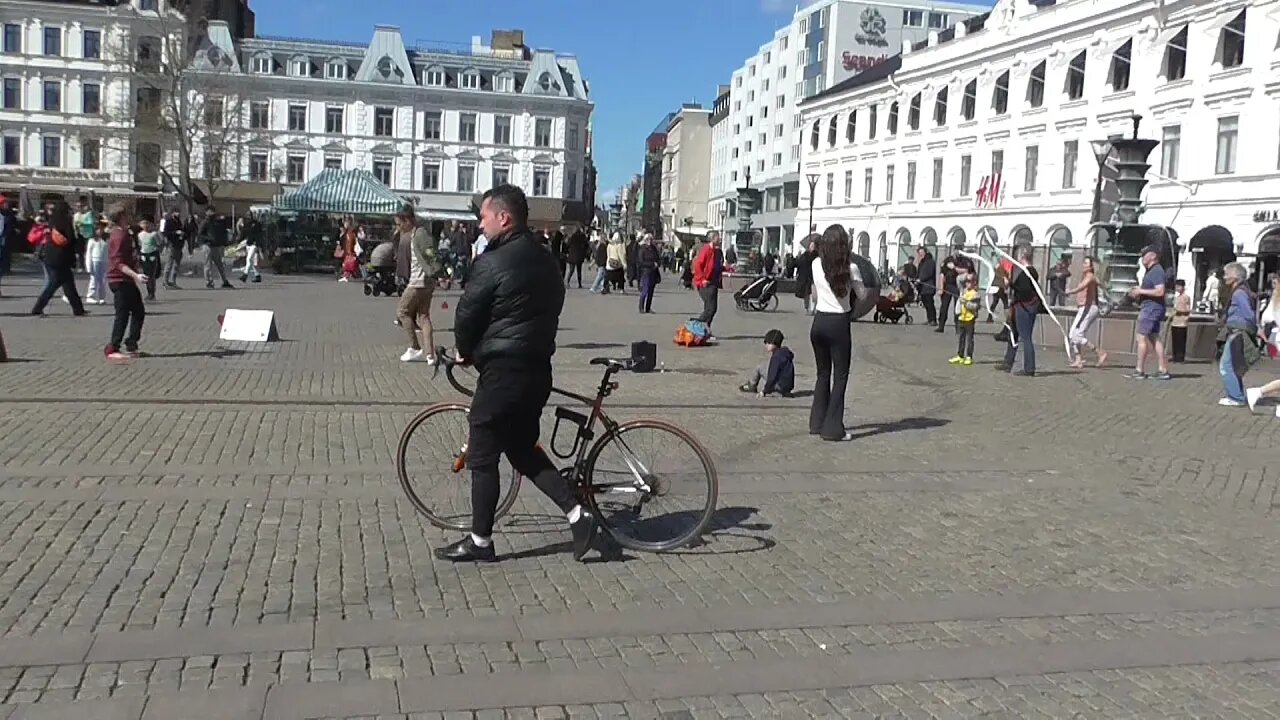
930	311
504	419
710	300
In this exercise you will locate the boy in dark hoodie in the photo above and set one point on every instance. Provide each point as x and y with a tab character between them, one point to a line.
778	373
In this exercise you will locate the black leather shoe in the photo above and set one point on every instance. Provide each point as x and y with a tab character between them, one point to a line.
583	532
466	550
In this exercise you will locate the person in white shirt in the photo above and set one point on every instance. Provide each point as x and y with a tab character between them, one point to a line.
833	282
478	246
95	263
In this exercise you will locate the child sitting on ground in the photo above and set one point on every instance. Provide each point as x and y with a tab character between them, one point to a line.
778	373
966	316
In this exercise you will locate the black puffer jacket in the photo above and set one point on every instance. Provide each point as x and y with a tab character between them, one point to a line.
510	310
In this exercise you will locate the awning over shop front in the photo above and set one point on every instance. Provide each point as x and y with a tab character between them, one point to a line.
1215	239
1269	244
342	192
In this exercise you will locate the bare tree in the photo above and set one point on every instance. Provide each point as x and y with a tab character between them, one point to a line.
189	106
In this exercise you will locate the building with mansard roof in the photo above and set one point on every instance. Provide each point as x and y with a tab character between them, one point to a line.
990	127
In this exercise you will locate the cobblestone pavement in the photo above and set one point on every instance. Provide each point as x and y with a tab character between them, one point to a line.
216	531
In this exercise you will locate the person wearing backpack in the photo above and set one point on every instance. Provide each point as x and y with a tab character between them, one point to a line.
414	311
59	257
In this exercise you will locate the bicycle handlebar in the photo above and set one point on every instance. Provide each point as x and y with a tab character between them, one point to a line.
449	362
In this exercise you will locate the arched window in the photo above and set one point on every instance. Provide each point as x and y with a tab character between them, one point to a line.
831	130
851	127
816	134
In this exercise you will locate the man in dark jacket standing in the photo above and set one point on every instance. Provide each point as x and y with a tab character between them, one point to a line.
927	273
215	234
576	255
506	325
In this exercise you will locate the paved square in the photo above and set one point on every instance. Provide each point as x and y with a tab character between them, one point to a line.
217	532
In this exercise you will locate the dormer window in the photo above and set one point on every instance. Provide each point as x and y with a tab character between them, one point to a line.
1231	42
1121	60
385	67
469	80
505	82
300	67
434	77
262	64
335	70
545	82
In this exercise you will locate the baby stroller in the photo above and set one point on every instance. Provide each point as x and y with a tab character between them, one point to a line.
381	280
760	295
892	307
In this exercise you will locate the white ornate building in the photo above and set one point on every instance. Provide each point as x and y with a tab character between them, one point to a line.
904	152
756	128
435	125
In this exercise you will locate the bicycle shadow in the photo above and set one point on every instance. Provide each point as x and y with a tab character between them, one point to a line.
724	535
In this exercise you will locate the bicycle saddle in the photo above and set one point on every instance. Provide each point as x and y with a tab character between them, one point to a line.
611	362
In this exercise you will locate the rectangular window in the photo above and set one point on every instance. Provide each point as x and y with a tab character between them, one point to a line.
149	53
147	5
1228	131
571	185
52	96
335	71
781	101
467	127
1175	57
1035	86
12	150
333	120
966	174
1170	145
332	162
12	41
53	41
937	179
431	126
873	121
913	18
1231	42
937	21
300	68
867	181
777	159
259	115
501	175
431	176
384	122
12	94
258	167
212	164
911	180
92	46
504	83
91	98
51	155
435	78
541	182
1120	65
298	118
91	154
1075	76
1032	168
501	131
848	186
1000	96
466	178
969	103
542	133
382	171
831	189
296	169
470	81
889	174
1070	157
262	64
571	136
997	162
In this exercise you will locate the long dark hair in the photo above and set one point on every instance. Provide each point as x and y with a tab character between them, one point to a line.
62	220
833	250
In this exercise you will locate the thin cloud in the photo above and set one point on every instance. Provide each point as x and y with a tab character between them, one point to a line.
776	7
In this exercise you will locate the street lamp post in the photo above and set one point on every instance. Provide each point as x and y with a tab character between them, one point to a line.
1101	151
813	184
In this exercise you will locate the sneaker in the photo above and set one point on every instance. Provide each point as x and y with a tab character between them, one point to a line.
412	355
1228	402
747	388
1135	375
343	279
117	356
966	362
430	359
1162	375
1252	396
956	360
583	532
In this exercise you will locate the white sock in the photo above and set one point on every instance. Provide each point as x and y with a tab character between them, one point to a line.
574	514
481	542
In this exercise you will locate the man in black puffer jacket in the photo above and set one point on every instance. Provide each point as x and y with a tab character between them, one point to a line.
506	326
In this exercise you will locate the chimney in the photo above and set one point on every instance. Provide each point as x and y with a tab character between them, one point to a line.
507	39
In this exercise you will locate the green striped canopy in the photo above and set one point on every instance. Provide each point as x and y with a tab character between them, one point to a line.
343	192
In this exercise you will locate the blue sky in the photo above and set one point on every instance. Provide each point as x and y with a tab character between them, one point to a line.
640	63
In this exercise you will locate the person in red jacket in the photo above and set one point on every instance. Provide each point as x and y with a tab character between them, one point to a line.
708	267
123	278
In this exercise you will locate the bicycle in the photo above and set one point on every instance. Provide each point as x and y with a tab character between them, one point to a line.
623	507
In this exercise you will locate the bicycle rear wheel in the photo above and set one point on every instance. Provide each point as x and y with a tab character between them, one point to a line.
431	463
678	503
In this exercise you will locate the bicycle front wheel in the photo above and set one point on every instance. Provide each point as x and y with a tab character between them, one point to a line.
652	485
431	462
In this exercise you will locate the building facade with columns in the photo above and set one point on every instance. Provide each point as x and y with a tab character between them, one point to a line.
757	138
990	127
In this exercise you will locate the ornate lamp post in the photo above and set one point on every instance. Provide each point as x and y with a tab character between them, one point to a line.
813	184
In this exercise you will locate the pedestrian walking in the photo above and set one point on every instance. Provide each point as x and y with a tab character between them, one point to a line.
123	278
149	256
214	234
95	260
59	257
175	241
616	263
927	275
414	310
1151	313
600	255
1026	307
1181	319
576	254
647	265
804	271
1087	313
708	272
967	306
1241	347
830	333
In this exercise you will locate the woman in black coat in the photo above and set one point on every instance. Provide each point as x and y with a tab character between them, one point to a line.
647	268
59	257
804	270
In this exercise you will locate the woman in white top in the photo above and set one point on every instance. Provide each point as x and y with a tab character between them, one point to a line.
833	278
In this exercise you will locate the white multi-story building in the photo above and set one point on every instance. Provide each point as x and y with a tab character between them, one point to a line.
904	155
756	126
64	77
434	125
686	170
